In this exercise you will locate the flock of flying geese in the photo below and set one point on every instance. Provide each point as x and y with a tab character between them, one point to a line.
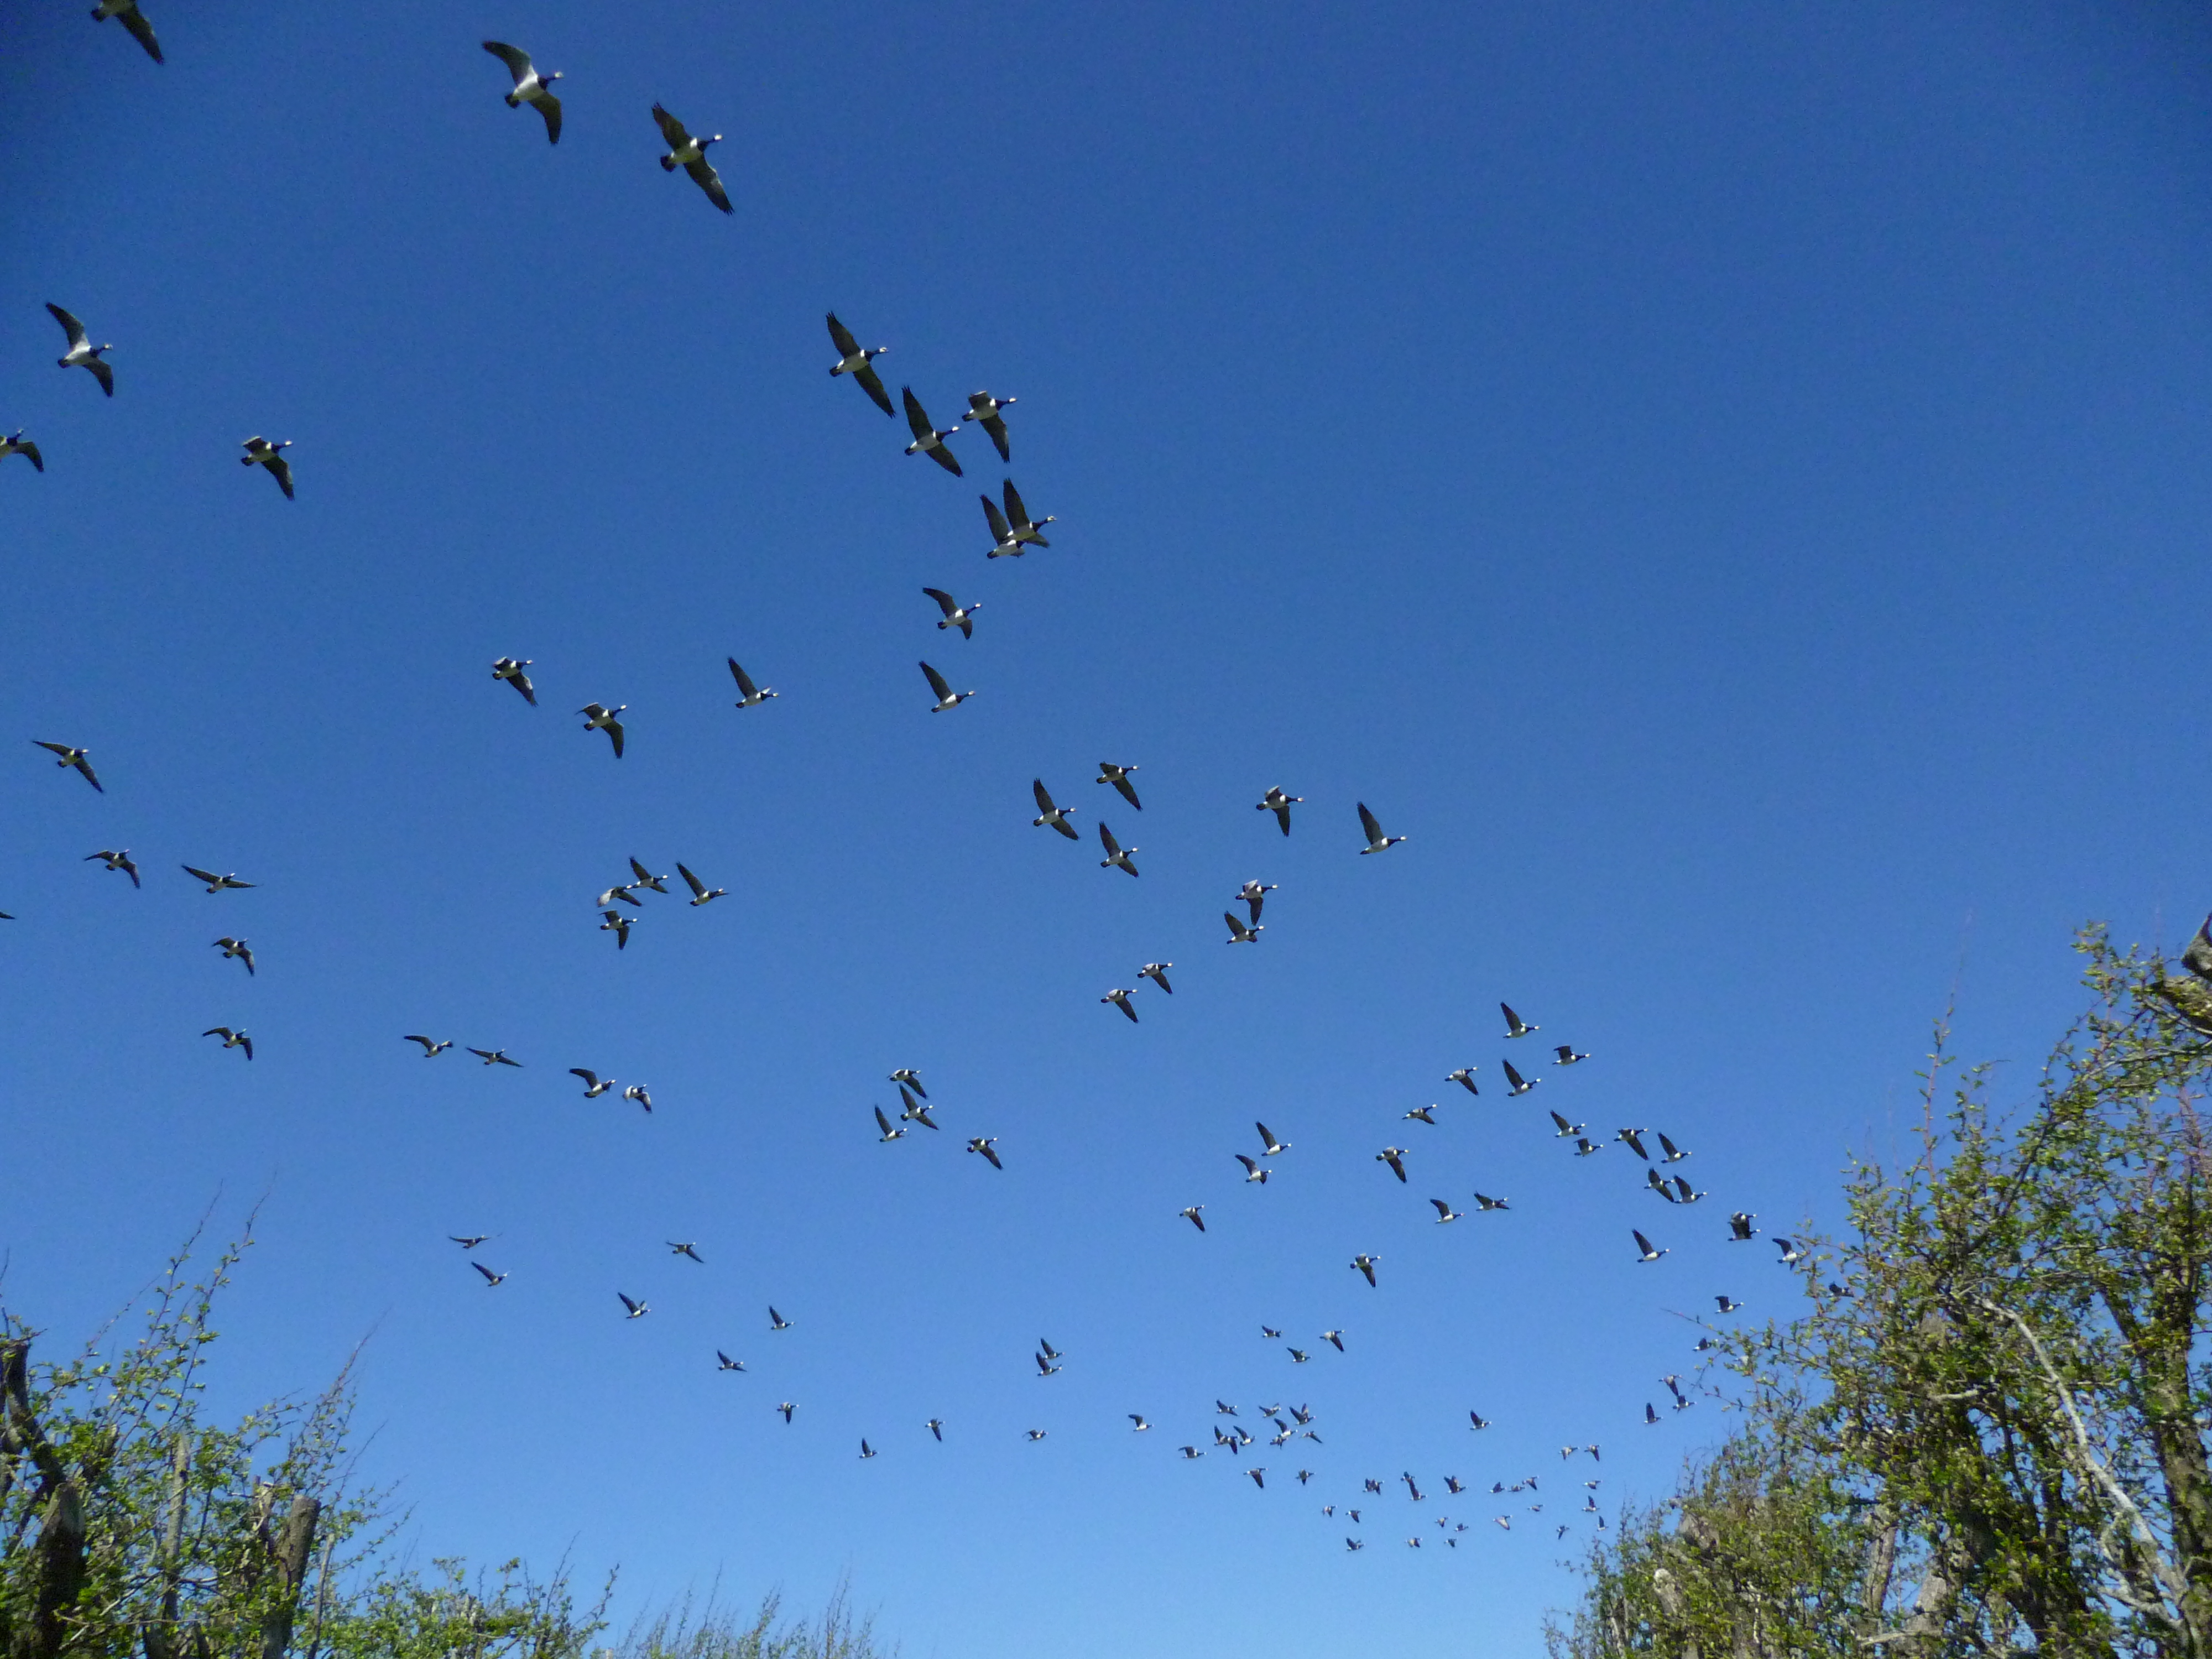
1013	532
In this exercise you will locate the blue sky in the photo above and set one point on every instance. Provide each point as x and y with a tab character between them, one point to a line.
1725	481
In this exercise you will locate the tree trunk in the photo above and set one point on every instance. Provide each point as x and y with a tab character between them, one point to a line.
57	1574
295	1547
158	1635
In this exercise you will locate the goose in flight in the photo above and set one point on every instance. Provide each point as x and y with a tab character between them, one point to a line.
866	1450
1376	840
1157	973
215	884
530	87
1422	1115
1792	1251
431	1050
510	669
1138	1419
620	893
690	153
127	12
1050	815
259	451
1117	857
615	922
1566	1053
1035	1434
724	1362
1365	1264
1633	1139
82	353
859	362
1684	1193
1239	932
73	759
1005	544
1644	1250
1255	895
471	1241
1120	998
1465	1078
956	614
946	697
748	694
1270	1147
495	1057
913	1111
936	1426
777	1322
1670	1153
1395	1158
235	950
1045	1367
983	410
594	1085
1018	518
231	1039
492	1280
1585	1147
888	1134
927	439
987	1145
637	1093
1045	1347
1119	777
1659	1184
1268	1332
1516	1085
1741	1231
1445	1213
1253	1169
19	444
646	878
1649	1416
1335	1339
117	861
1193	1216
787	1408
1566	1130
691	1250
701	893
636	1310
1280	804
1483	1201
1515	1025
597	718
1477	1420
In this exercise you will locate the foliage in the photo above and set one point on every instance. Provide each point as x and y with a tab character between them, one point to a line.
1987	1433
711	1632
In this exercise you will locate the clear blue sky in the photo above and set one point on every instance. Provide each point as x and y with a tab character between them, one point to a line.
1726	481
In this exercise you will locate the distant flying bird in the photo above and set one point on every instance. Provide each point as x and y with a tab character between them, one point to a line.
1685	1193
1567	1056
491	1280
636	1092
1117	857
1658	1183
1045	1347
1241	933
1741	1231
1255	895
646	878
235	950
1515	1025
1189	1452
1259	1477
748	694
494	1057
82	353
690	153
232	1039
936	1426
1252	1170
1120	998
19	444
613	922
1005	544
777	1322
431	1050
621	893
986	1144
915	1112
1476	1419
701	893
866	1450
1334	1339
1630	1138
530	87
1192	1216
215	884
1045	1367
1018	518
1585	1147
983	410
1482	1202
117	861
859	362
259	451
724	1362
690	1251
1649	1416
1395	1158
911	1079
1049	816
1119	777
636	1309
1035	1434
946	697
1270	1147
927	439
1515	1083
1355	1544
1465	1078
1157	973
956	614
1645	1252
600	719
1567	1131
1421	1114
1792	1252
72	759
127	12
1376	840
787	1408
1365	1264
510	670
1727	1304
471	1241
1280	804
1444	1211
1411	1487
1670	1153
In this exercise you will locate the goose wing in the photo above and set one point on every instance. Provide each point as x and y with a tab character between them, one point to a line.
1642	1243
1016	512
590	1079
549	108
1043	797
103	373
698	887
1367	823
917	417
671	129
141	30
704	176
29	452
842	337
872	384
936	681
1000	529
281	470
1106	840
70	327
948	604
883	1123
745	686
997	428
1128	790
516	59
